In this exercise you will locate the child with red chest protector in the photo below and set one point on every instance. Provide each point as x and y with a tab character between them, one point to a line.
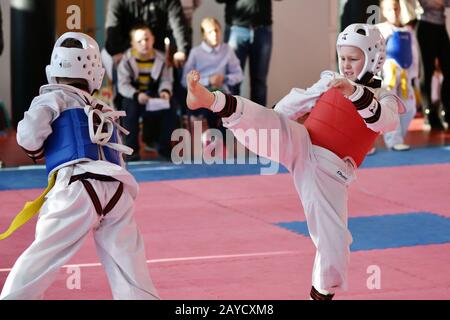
344	115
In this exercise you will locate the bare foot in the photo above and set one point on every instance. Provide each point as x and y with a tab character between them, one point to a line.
198	96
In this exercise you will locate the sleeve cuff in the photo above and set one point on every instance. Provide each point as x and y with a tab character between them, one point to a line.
35	155
363	98
357	94
219	102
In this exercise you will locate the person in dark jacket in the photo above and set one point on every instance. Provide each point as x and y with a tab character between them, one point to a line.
358	11
165	18
248	31
162	16
434	42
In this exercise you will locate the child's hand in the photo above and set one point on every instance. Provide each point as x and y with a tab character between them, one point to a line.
217	80
343	85
179	58
117	58
164	95
143	98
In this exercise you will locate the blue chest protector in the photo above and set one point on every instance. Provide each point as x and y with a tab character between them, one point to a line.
70	141
399	48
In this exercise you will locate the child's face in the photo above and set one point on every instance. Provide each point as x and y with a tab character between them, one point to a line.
143	41
212	33
391	11
351	61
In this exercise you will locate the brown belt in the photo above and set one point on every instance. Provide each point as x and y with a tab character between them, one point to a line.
93	195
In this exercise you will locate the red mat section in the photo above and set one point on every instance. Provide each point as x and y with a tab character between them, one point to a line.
216	239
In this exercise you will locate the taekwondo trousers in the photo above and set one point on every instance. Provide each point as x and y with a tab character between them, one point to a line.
321	179
65	220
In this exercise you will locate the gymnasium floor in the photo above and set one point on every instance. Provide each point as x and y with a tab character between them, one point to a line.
226	232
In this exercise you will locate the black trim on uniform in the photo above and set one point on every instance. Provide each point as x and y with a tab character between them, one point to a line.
316	295
376	116
93	195
365	78
229	108
115	198
94	176
365	100
35	155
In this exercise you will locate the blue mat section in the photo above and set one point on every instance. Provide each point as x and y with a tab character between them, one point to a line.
37	178
195	171
13	179
390	231
419	156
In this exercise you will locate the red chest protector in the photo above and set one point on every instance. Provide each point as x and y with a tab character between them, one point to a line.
334	124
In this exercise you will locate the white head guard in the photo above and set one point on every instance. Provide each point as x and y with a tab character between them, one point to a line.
77	63
370	40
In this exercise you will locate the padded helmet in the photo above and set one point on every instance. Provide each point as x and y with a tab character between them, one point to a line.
370	40
84	63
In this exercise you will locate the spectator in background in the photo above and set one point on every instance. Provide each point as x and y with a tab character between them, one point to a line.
410	9
162	16
217	63
189	7
249	32
159	15
435	44
143	75
179	92
436	83
165	18
356	11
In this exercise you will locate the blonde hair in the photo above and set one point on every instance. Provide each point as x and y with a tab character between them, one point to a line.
211	20
383	1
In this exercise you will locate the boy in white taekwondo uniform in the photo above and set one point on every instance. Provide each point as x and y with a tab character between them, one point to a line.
93	191
345	117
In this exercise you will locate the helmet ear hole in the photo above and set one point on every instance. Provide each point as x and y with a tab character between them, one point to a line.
361	31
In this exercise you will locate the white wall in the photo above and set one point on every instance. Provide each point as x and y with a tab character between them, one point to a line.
304	42
5	59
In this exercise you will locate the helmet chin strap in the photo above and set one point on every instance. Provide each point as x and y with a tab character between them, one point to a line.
365	78
369	81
